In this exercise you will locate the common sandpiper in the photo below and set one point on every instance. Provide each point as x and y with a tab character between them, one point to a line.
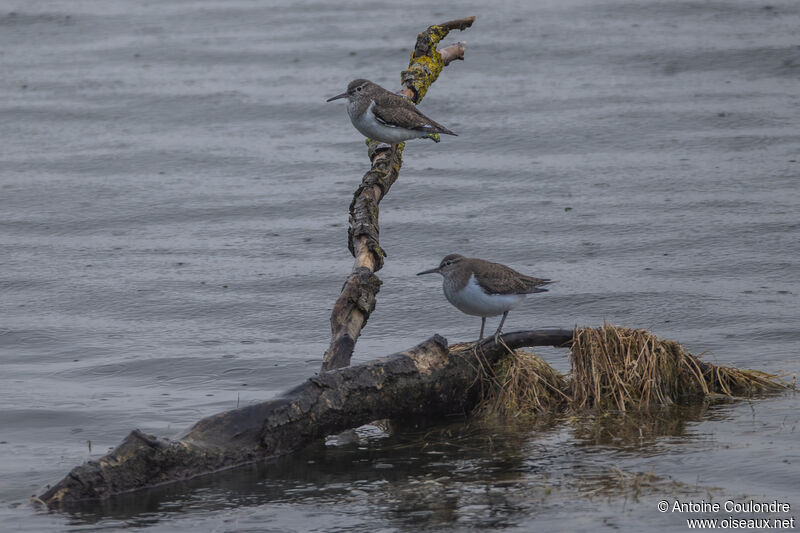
385	116
482	288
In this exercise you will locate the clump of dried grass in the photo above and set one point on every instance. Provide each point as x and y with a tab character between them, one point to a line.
734	382
613	368
622	368
522	384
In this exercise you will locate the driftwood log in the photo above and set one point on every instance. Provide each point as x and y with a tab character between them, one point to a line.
357	299
429	379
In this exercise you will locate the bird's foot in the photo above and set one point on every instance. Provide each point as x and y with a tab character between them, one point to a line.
434	137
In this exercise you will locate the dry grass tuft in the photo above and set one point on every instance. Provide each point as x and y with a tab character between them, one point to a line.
621	368
613	369
734	382
522	384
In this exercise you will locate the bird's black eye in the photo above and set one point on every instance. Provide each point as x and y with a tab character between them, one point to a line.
359	88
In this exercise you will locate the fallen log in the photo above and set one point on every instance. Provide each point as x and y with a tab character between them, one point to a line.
423	380
608	363
429	379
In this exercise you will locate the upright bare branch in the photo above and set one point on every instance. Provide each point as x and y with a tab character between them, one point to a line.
357	299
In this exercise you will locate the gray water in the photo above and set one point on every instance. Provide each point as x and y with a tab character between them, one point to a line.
174	194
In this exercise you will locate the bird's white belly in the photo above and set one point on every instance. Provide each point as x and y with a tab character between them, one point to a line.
369	126
473	301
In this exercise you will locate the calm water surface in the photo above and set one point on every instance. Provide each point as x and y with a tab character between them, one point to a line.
174	193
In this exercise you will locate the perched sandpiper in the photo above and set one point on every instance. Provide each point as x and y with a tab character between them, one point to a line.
385	116
481	288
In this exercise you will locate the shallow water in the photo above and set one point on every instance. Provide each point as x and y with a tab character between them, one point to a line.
174	194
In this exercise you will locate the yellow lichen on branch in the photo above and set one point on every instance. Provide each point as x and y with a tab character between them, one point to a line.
426	62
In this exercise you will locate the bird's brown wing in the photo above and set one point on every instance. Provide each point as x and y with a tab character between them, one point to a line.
500	279
396	111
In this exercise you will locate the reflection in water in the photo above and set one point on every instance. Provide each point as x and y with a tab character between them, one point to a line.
634	430
487	473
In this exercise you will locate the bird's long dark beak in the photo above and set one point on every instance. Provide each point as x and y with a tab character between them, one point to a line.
431	271
343	95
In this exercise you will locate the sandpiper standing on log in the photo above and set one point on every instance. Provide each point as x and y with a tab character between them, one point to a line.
385	116
481	288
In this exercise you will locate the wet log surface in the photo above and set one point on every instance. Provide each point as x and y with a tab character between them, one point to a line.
428	379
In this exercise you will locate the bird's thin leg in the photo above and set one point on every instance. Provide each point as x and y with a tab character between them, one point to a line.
500	327
483	323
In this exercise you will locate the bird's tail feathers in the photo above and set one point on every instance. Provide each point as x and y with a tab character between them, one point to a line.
537	286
